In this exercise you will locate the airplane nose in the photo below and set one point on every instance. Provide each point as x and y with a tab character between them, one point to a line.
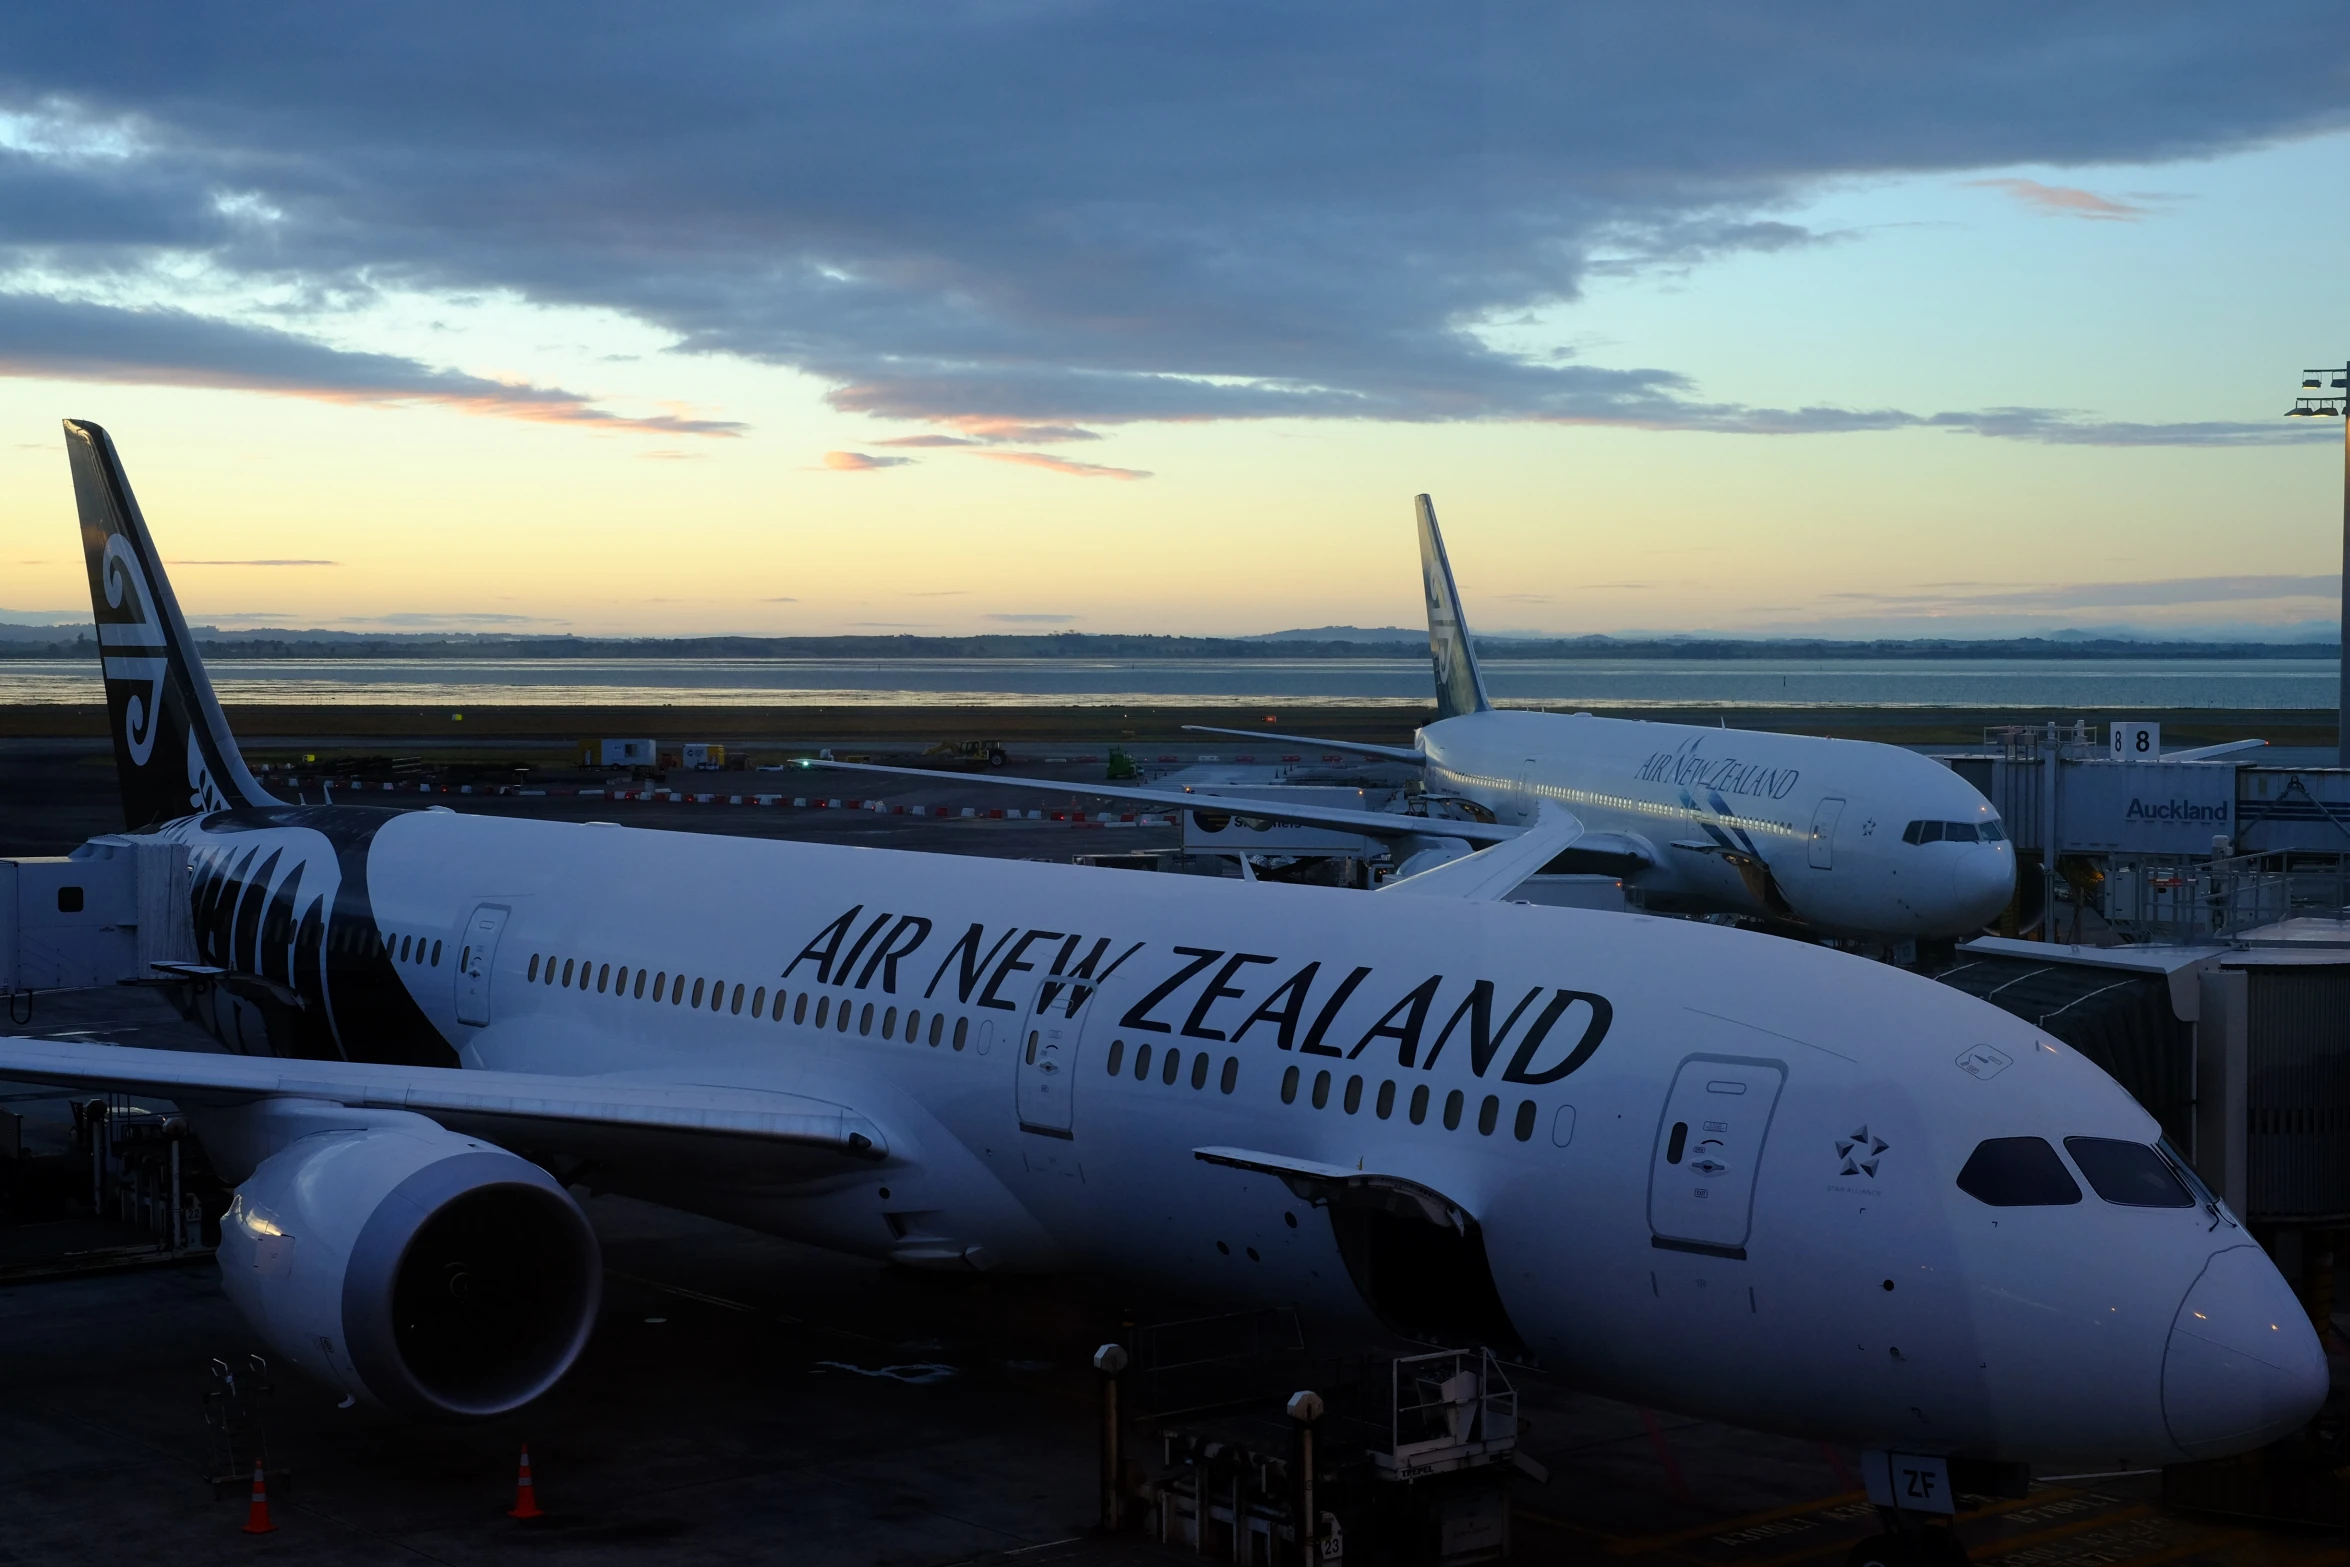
2244	1367
1984	881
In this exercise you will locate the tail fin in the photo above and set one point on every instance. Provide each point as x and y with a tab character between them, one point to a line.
1459	688
172	748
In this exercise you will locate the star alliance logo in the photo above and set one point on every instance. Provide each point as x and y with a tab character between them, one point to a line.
1860	1153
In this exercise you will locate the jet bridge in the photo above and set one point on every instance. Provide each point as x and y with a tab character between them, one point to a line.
2178	849
117	909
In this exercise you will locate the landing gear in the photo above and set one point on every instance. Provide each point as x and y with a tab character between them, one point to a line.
1919	1545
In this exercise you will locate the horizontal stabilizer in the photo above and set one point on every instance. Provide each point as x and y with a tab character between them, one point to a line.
1496	872
1371	824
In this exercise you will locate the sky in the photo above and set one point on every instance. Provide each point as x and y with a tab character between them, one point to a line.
1821	320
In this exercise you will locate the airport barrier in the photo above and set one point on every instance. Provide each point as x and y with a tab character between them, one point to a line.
666	796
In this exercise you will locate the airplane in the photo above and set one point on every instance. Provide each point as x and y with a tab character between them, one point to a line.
1688	1166
1832	837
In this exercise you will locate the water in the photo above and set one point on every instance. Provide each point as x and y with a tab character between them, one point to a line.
2022	684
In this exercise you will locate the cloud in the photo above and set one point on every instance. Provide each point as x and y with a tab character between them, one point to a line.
1032	619
784	600
254	563
999	221
861	462
931	440
69	340
1052	464
1954	597
2064	201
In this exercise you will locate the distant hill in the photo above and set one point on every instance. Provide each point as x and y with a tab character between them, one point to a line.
1334	642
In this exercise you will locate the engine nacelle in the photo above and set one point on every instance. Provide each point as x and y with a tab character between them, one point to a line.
414	1268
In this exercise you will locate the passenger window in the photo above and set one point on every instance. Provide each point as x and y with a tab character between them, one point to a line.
1419	1104
620	980
2130	1174
840	1019
1354	1095
779	1000
758	1001
2018	1172
1385	1104
659	980
568	965
937	1022
697	992
1199	1070
1452	1111
913	1027
550	968
603	978
640	985
1525	1126
531	975
889	1022
799	1010
962	1029
1174	1065
1117	1056
1031	1059
1677	1143
824	1007
1488	1113
403	947
1289	1086
1321	1090
436	954
1142	1062
1231	1077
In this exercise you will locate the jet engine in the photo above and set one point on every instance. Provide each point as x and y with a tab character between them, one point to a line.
420	1270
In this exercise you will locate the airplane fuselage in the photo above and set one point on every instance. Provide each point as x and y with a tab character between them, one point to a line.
1698	1168
1779	826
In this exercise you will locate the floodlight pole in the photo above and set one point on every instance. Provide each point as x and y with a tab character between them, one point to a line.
2320	399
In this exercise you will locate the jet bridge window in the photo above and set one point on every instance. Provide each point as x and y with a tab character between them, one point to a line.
2130	1174
2018	1172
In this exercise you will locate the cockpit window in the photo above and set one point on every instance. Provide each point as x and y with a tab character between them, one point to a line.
2131	1174
1954	832
2018	1172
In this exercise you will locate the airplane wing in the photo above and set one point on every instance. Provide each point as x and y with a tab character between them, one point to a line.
2212	753
628	1118
1393	753
1495	872
1371	824
1332	1184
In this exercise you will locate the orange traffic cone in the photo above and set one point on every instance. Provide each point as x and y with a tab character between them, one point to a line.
526	1500
257	1514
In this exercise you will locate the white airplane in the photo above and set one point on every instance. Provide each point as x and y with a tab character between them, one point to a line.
1842	837
1691	1167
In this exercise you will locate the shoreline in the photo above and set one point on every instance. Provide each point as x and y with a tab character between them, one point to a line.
266	727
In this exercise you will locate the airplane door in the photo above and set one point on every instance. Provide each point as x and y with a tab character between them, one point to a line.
474	956
1708	1146
1049	1038
1823	832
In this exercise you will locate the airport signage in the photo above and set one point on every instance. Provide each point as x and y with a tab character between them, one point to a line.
2135	741
2146	807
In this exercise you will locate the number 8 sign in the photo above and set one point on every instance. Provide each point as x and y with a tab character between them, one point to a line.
2135	742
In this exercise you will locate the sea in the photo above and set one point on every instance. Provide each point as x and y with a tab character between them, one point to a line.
1560	684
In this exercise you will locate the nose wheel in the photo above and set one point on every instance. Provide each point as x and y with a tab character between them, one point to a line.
1930	1545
